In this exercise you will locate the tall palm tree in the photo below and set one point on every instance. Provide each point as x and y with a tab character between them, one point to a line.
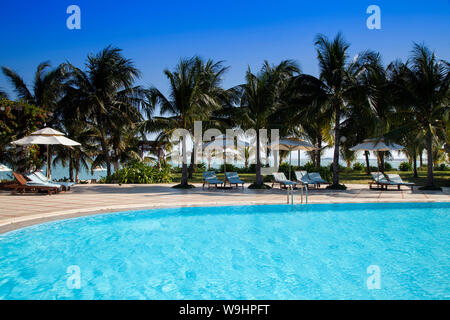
422	90
46	89
337	85
45	92
106	93
3	94
260	101
194	94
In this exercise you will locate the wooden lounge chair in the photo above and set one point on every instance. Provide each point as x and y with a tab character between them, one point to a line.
23	185
209	178
281	179
395	178
381	181
233	178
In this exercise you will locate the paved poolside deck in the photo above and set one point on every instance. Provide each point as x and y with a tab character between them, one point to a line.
17	211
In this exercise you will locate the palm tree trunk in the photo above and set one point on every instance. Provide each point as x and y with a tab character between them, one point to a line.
381	155
192	165
259	179
319	145
70	167
337	138
415	164
420	159
49	164
430	176
366	154
105	151
184	170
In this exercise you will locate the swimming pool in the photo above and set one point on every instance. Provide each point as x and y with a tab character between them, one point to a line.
246	252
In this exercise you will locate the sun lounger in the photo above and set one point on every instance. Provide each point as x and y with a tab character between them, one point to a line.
395	178
23	185
233	178
65	185
281	179
209	178
34	180
315	176
302	177
381	181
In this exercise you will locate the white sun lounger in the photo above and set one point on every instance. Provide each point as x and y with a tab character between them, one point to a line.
315	176
395	178
381	181
302	177
233	178
281	179
209	178
43	178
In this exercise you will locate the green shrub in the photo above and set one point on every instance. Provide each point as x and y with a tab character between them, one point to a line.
309	166
358	166
230	168
325	172
284	167
341	168
141	173
443	167
177	169
387	166
405	166
201	166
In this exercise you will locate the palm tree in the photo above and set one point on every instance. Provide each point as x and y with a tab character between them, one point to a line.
422	87
337	86
46	90
260	101
348	156
3	94
105	93
194	94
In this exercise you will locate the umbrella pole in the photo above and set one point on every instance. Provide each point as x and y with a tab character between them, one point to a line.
290	164
48	164
224	165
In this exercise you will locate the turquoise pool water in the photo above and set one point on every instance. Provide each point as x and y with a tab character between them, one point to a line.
246	252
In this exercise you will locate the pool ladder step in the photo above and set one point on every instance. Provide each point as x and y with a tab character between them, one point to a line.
290	194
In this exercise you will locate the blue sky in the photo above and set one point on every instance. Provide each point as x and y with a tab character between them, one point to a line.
156	34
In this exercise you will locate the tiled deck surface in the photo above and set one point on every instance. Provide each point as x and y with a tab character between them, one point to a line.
21	210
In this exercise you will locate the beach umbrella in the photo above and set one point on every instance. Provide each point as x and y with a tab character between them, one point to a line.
4	168
46	136
291	144
378	145
226	146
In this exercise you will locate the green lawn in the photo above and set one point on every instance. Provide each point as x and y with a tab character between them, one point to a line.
442	178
